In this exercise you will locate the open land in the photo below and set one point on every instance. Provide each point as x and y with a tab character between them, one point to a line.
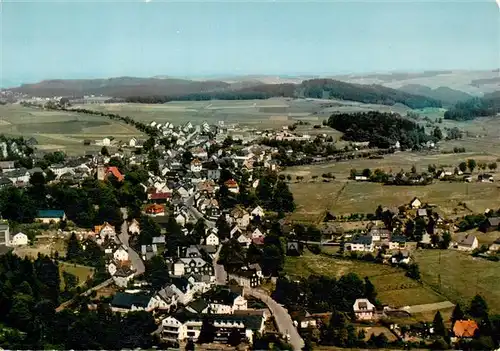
392	286
459	276
83	273
44	246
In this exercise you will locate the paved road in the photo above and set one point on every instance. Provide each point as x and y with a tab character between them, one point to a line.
189	202
220	272
133	256
283	319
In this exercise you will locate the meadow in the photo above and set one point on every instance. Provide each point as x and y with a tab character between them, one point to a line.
82	273
459	276
392	286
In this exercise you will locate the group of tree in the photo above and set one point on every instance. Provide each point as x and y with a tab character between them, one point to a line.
274	194
489	105
381	129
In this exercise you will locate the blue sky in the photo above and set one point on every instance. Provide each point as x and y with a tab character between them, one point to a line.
42	40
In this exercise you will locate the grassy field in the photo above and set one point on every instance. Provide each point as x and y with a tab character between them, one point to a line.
43	246
343	196
59	130
462	276
393	287
81	272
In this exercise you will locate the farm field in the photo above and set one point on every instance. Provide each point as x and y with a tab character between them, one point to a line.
81	272
392	286
60	130
462	276
344	198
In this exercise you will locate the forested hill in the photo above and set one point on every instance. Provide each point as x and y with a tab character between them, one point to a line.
315	88
447	96
489	105
382	130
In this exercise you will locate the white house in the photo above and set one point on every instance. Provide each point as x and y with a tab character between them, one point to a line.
257	211
468	243
212	239
122	276
19	239
121	254
196	165
106	141
133	227
225	301
362	244
244	240
364	309
415	203
235	232
164	299
179	269
106	230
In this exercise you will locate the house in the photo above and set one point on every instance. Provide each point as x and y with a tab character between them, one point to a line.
198	306
121	254
397	242
4	233
465	329
149	251
245	277
123	275
212	239
293	248
495	246
133	227
126	302
468	243
186	325
241	217
257	269
19	239
47	216
257	212
20	176
115	172
235	232
362	243
415	203
364	309
491	224
224	301
164	300
196	165
155	210
244	240
106	141
5	182
105	230
232	186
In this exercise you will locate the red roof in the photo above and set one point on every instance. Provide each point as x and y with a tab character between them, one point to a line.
155	208
465	328
116	173
160	196
258	240
231	183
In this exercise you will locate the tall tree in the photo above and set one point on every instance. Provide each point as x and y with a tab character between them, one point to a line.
471	164
457	314
478	307
438	325
370	292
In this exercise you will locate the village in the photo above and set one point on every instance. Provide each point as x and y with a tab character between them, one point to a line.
197	191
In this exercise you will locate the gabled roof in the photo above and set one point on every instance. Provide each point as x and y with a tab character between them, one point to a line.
221	296
467	241
494	221
465	328
198	305
113	170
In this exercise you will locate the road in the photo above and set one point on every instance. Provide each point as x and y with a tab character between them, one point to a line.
134	257
283	319
189	203
220	272
428	307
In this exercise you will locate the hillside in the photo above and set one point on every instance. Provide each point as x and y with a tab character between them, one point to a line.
382	130
119	87
447	95
489	105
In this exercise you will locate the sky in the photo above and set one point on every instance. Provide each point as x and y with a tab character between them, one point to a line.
76	39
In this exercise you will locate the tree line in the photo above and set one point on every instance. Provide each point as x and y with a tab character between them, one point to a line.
489	105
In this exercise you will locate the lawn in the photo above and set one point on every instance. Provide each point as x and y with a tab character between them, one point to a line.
83	273
393	287
460	276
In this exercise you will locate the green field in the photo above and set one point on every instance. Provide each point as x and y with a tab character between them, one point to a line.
83	273
393	287
462	276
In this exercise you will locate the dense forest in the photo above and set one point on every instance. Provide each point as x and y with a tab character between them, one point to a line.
315	88
382	130
489	105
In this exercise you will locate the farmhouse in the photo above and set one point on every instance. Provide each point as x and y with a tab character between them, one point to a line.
468	243
364	309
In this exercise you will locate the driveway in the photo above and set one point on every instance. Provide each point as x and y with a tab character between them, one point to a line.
283	319
220	272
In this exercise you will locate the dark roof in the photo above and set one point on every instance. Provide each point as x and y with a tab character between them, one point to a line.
221	296
198	305
50	214
398	239
252	322
364	239
126	300
180	282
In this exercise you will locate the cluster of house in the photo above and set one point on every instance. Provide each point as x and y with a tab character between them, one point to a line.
457	175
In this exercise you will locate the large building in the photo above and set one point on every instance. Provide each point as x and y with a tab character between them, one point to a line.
4	233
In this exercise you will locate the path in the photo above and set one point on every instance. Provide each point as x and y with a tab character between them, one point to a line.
283	319
124	238
428	307
220	272
85	293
